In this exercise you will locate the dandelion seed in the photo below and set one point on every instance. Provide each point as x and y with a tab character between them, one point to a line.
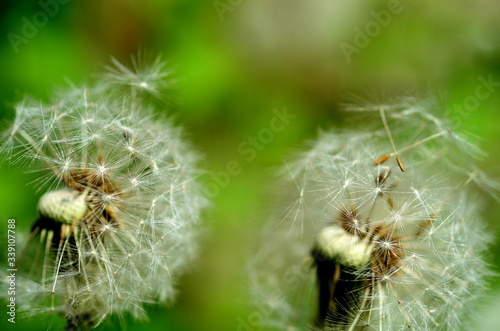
142	80
100	247
379	249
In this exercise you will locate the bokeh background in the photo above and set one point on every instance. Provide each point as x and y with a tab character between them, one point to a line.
238	60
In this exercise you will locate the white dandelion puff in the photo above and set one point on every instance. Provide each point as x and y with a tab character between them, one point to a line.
143	79
117	222
385	245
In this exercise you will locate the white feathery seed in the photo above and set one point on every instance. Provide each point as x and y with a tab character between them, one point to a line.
118	220
390	209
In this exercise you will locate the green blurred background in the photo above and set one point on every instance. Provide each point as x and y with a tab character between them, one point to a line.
239	60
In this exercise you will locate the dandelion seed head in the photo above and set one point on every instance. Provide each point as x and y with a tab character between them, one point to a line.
114	232
393	243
